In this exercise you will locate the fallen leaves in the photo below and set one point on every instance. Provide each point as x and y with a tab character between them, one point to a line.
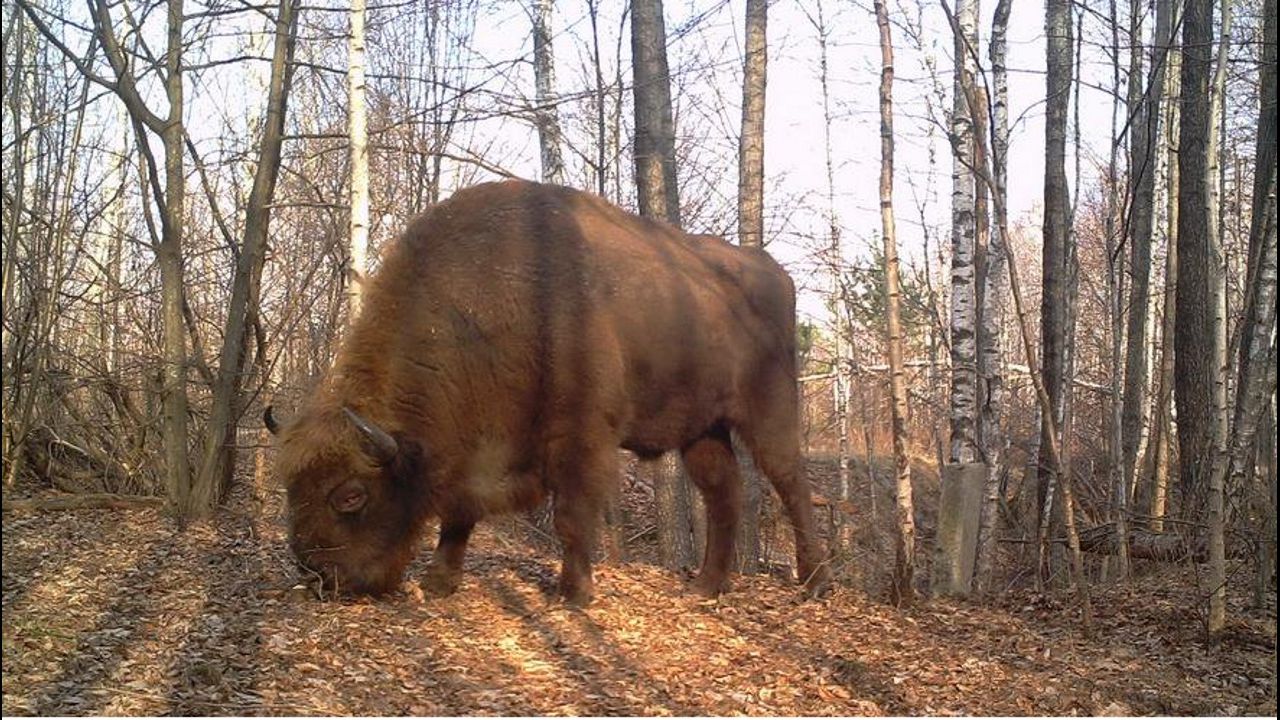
114	613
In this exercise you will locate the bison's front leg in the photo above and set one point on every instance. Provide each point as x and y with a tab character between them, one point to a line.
445	572
579	499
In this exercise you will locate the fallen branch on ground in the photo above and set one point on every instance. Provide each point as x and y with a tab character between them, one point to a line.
95	501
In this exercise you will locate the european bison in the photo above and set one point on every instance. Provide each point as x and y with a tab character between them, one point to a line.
514	338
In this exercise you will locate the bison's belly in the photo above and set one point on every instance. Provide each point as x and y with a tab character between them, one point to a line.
490	487
676	421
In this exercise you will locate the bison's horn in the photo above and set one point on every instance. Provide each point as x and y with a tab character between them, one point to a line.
270	421
380	445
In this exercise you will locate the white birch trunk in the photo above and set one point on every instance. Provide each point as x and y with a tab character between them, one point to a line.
904	563
358	134
546	113
964	290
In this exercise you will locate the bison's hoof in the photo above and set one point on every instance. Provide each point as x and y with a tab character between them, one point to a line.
710	587
576	594
818	584
440	583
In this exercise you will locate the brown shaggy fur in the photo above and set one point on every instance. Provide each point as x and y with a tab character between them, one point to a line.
514	338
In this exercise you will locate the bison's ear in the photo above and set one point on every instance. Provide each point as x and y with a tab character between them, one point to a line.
269	420
381	446
349	497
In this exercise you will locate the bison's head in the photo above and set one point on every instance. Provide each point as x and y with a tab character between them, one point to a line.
356	499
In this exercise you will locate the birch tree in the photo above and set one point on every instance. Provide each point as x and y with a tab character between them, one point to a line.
991	436
545	114
751	234
1257	379
1257	346
964	289
358	138
1115	305
1056	17
904	564
1165	437
1145	105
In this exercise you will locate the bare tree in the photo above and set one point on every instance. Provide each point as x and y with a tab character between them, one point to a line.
1145	103
964	250
1200	338
659	196
1056	253
358	138
1117	479
170	196
991	436
751	234
904	564
219	452
545	113
1257	377
1163	405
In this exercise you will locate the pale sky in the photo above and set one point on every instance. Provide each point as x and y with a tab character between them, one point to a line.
707	33
795	160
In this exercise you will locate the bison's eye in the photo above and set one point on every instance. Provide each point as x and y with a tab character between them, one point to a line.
349	497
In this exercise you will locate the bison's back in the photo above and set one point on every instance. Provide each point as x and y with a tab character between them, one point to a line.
527	310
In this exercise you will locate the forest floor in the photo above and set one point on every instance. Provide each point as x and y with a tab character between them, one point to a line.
110	612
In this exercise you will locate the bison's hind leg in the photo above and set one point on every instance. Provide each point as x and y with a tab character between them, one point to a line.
712	466
773	436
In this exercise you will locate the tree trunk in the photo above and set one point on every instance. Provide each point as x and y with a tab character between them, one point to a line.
546	113
991	436
654	144
601	163
1264	183
177	467
1200	341
1198	259
964	270
1164	403
1266	557
219	452
904	563
1257	382
1259	300
751	234
1143	138
671	511
1056	255
1050	438
358	138
1115	291
841	362
659	197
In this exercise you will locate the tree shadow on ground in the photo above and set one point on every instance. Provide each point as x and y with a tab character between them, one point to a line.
100	650
216	666
594	663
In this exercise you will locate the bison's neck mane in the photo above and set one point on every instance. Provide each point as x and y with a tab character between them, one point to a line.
374	372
